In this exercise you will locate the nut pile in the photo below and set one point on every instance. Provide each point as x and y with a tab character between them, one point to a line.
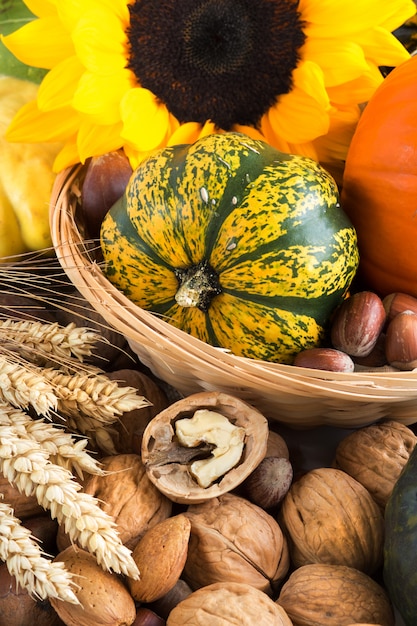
261	539
368	332
274	543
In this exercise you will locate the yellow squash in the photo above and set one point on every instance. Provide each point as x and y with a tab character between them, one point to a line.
26	178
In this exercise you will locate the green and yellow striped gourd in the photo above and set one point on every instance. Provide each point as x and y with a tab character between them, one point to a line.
234	242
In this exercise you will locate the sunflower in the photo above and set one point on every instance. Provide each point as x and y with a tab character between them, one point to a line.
144	74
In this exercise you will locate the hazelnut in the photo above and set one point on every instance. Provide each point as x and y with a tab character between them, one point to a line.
163	606
358	323
401	341
328	359
376	357
398	302
269	482
105	182
147	617
276	445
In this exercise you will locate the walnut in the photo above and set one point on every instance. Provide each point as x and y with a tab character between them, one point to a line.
126	493
224	440
334	595
330	518
226	604
375	456
233	540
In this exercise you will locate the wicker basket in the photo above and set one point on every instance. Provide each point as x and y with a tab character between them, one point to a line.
297	397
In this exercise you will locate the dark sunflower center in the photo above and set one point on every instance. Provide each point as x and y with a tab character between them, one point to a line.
227	61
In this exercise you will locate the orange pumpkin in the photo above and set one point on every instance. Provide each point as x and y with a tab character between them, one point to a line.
380	184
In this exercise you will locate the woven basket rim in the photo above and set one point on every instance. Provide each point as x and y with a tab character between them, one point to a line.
164	345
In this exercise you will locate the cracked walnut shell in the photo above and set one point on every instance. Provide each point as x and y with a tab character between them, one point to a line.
169	461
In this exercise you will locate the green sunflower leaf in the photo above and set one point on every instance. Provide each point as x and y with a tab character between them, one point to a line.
13	15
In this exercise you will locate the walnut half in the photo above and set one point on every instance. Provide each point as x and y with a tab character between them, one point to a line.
203	445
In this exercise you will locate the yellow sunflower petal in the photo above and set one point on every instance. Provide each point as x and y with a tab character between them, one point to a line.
96	140
303	149
341	60
99	96
394	14
70	11
248	130
332	147
185	134
67	156
145	119
135	157
41	8
57	88
340	19
173	125
303	114
270	136
207	129
40	43
382	47
32	125
358	90
118	7
100	42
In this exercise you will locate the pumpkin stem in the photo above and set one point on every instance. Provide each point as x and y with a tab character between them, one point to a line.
197	286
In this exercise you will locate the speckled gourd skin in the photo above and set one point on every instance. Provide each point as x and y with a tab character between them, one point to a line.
268	223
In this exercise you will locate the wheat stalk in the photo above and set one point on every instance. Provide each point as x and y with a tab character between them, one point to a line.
93	395
26	464
62	447
25	561
99	435
44	342
23	385
90	400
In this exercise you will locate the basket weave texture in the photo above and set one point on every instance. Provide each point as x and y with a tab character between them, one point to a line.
297	397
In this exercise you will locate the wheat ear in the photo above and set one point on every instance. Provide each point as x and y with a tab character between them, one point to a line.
99	436
93	396
63	447
25	561
23	385
48	341
27	466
